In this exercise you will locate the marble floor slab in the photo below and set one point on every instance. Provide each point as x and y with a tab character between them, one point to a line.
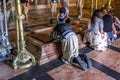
108	58
70	72
7	72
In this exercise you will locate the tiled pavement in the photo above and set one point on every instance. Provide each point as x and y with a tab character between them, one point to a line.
106	66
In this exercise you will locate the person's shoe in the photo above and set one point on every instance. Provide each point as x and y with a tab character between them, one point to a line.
80	62
52	21
109	42
85	57
25	27
26	24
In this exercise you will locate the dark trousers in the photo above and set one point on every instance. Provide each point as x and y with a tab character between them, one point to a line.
79	11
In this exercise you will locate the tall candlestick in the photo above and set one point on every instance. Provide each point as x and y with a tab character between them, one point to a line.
91	7
109	5
96	4
103	3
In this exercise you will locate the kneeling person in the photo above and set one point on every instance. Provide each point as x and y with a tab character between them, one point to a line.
70	46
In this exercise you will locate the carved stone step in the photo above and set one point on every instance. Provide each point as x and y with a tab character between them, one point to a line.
42	52
43	28
45	52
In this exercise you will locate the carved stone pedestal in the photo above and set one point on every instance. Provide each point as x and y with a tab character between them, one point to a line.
44	48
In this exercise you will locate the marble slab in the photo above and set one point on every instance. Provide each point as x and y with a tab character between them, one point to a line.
116	43
7	72
68	72
109	58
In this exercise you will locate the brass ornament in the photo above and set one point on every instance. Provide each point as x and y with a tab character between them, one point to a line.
23	59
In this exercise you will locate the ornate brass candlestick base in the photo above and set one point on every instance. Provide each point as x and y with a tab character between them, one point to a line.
23	60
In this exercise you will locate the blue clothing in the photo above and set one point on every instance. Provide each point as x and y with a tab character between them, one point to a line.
67	33
107	19
108	25
64	3
97	26
54	1
60	22
110	35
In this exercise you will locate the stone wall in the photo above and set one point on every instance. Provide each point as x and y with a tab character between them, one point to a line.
87	3
117	8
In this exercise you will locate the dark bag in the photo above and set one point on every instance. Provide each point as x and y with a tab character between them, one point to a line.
59	29
56	35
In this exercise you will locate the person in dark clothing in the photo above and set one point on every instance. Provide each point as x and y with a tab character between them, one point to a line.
108	25
23	1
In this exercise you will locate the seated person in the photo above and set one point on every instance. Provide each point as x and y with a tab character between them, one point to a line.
116	22
97	37
62	15
70	47
109	27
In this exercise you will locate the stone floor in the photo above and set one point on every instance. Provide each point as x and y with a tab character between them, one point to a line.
106	65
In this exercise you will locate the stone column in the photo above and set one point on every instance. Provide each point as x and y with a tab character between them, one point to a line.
36	2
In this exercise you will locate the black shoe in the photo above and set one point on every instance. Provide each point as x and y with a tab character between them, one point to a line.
52	21
25	24
80	62
25	27
86	58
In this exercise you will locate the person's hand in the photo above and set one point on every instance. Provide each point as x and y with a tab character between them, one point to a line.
51	6
102	35
115	32
63	21
27	4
